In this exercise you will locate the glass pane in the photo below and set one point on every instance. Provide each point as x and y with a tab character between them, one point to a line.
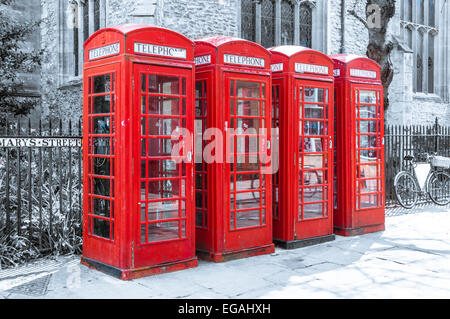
164	105
367	112
311	178
164	189
305	25
368	126
247	89
102	125
314	128
101	145
163	168
163	210
248	16
101	207
143	105
102	166
313	161
162	126
314	194
313	144
102	104
102	187
101	228
248	200
367	97
247	108
247	163
267	23
160	146
312	210
367	171
316	95
163	84
368	141
314	111
247	144
248	182
368	201
102	84
163	231
368	156
287	23
368	186
248	219
248	125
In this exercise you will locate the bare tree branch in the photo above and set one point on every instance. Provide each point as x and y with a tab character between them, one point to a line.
363	21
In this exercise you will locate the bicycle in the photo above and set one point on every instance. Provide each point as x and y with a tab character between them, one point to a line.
427	177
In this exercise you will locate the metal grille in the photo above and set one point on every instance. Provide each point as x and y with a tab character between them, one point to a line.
305	25
287	22
402	140
267	23
248	16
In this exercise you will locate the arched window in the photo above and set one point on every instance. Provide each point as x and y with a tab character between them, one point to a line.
287	22
305	25
420	32
267	23
78	20
419	63
277	22
248	17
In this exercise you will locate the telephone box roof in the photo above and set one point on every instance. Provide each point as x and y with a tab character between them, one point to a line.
290	50
218	41
129	28
347	58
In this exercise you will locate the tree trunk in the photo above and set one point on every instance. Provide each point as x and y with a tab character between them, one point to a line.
379	48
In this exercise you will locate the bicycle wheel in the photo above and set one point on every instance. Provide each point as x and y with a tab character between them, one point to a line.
438	188
406	189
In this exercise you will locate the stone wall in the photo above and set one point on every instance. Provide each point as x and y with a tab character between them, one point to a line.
199	18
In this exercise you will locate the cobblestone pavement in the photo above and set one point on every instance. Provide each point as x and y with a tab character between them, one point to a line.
411	259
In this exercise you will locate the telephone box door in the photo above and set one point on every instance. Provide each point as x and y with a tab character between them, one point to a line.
313	108
100	134
369	153
248	204
165	214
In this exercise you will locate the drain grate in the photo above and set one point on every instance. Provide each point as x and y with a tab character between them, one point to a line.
36	287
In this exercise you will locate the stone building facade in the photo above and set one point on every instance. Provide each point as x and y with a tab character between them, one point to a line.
419	31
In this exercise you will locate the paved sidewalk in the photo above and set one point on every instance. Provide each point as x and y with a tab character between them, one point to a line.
411	259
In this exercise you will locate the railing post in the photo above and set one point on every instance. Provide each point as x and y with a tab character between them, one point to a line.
436	135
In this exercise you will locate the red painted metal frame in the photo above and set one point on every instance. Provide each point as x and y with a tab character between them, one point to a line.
291	228
124	256
349	217
215	239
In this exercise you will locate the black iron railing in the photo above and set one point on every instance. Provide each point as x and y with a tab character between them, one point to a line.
40	186
402	140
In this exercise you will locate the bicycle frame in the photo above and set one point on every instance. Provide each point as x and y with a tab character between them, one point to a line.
422	172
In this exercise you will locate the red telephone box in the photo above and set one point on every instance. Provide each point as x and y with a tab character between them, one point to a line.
359	179
302	94
138	93
233	192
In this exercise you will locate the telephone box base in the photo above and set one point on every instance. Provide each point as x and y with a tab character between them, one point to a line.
128	274
293	244
358	231
238	254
